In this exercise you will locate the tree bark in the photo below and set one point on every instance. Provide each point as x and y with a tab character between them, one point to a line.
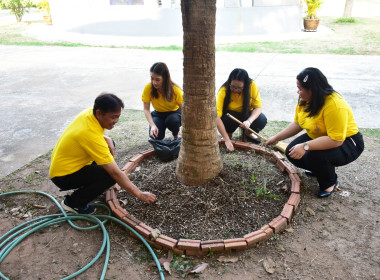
199	158
348	9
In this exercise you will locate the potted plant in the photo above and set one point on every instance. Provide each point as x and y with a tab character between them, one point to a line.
311	21
45	8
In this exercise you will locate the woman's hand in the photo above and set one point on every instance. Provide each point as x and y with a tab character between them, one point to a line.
246	124
154	131
297	151
271	141
229	146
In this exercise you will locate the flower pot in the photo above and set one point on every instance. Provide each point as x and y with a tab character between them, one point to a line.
310	24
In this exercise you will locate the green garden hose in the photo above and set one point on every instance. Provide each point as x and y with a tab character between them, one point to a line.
10	239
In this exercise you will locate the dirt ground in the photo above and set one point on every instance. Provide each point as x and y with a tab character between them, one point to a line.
332	238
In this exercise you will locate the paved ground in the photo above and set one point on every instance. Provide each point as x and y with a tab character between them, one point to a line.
42	89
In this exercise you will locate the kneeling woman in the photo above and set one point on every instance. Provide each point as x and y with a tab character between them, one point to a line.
239	96
332	136
166	98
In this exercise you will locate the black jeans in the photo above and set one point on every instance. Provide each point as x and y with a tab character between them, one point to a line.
163	120
90	182
323	163
232	125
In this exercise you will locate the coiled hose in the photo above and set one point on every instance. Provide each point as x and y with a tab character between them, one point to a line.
10	239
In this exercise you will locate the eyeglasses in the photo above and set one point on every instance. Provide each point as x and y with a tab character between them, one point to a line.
232	87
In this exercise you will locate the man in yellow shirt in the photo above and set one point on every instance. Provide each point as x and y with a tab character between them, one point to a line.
332	136
83	158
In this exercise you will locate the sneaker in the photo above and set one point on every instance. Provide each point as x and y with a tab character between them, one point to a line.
88	209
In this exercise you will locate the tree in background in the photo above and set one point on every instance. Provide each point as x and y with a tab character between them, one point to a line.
348	9
199	157
17	7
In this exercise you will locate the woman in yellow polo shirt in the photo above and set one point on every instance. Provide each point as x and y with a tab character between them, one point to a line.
240	97
332	136
166	98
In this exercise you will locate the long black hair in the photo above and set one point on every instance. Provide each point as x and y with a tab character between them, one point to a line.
107	102
161	69
313	78
242	76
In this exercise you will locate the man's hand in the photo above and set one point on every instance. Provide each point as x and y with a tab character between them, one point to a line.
147	197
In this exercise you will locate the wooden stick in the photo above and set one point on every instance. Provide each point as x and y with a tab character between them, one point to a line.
281	146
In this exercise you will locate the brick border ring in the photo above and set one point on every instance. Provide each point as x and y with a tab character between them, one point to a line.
192	247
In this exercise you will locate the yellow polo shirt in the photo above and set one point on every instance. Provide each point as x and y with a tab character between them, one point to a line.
160	104
335	119
80	144
236	103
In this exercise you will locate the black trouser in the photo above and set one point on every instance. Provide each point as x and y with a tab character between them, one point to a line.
163	120
323	163
232	125
90	182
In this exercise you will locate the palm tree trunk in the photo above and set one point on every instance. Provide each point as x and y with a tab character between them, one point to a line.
199	158
348	8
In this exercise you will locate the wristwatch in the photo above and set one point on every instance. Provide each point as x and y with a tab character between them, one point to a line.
306	146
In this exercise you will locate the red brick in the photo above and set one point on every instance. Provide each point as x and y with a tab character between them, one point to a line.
278	155
294	200
119	212
269	232
281	165
137	158
242	145
296	183
111	195
178	251
255	237
214	245
236	244
130	220
258	149
129	167
287	212
143	229
111	205
275	220
279	225
148	153
189	244
290	168
166	242
108	194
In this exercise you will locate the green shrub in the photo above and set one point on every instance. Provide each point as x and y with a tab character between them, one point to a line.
345	20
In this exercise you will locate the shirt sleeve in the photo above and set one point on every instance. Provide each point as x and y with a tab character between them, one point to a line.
255	96
179	95
98	150
336	120
146	95
220	101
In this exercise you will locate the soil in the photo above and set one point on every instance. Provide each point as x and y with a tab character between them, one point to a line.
332	238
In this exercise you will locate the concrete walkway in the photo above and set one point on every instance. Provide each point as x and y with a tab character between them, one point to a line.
43	88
